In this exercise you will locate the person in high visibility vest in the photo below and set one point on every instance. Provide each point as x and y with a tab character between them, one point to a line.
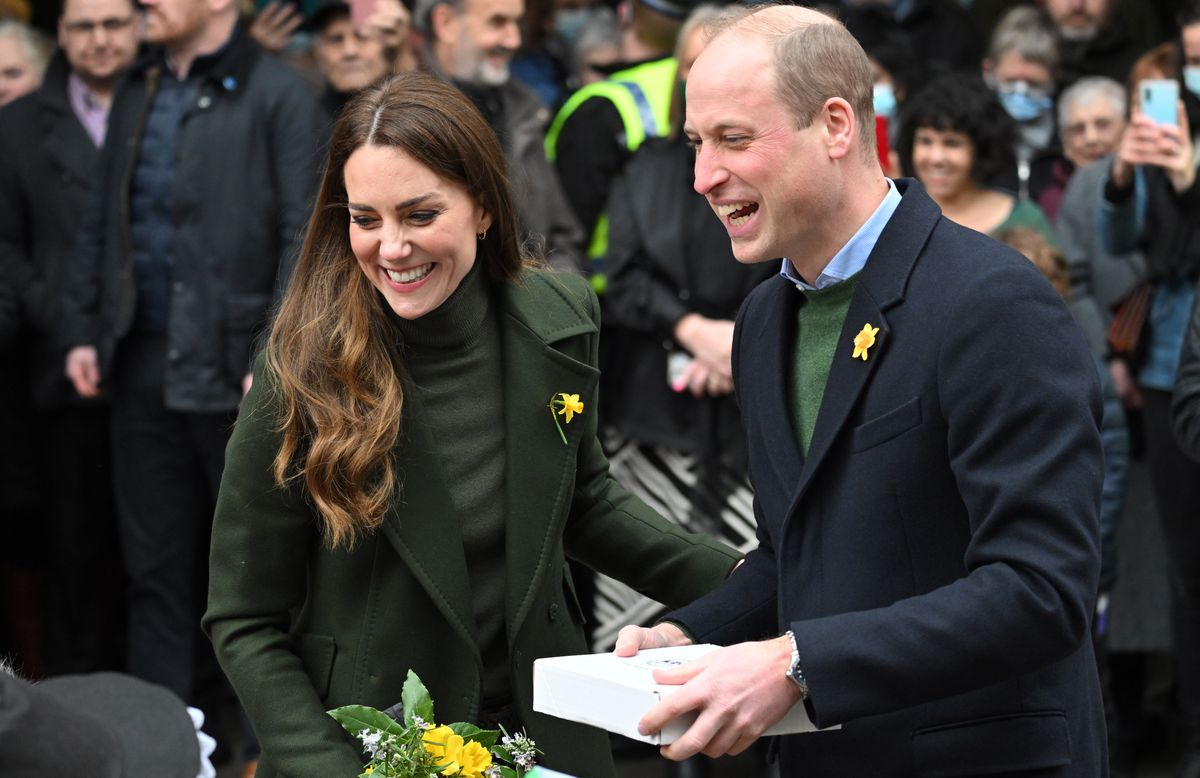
601	125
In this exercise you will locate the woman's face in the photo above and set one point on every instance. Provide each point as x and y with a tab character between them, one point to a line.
413	232
942	161
18	76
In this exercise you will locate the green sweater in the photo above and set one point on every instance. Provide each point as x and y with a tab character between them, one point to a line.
452	355
818	326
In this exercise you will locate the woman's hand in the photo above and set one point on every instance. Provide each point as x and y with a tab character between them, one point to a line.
702	381
1167	146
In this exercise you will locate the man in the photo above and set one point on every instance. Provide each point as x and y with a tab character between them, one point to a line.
922	416
49	148
1102	37
600	126
206	180
471	43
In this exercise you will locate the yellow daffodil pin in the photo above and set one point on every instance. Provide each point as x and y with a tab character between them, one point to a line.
568	405
864	340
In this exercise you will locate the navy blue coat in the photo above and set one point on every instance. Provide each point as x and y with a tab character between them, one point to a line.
937	551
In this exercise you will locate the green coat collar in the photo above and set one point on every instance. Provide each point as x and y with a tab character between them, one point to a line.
548	340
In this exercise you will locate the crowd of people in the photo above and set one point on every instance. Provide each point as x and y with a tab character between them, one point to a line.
177	178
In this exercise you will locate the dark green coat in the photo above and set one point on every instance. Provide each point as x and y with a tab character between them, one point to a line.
400	599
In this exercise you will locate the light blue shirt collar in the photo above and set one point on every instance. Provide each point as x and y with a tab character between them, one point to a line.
852	257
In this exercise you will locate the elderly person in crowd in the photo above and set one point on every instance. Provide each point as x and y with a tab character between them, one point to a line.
1022	67
1091	120
471	44
24	54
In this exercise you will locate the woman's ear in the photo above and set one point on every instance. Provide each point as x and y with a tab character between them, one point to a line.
485	222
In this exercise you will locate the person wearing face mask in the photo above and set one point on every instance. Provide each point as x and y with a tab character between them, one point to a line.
1020	67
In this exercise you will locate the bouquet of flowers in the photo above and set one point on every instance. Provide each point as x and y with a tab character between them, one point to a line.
418	748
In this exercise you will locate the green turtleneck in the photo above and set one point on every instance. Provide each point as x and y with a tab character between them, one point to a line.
818	327
453	357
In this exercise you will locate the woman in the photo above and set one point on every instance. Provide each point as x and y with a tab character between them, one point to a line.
412	466
675	437
957	140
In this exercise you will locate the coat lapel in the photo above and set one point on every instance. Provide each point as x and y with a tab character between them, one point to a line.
880	287
66	141
423	527
767	363
540	469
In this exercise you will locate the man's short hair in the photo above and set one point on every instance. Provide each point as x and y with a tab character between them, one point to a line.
1086	91
813	63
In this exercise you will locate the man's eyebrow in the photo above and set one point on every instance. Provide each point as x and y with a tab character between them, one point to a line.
409	203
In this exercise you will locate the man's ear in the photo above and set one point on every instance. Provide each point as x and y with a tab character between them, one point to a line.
841	127
443	23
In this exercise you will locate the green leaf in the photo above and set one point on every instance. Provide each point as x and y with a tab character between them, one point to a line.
508	772
416	700
356	718
485	737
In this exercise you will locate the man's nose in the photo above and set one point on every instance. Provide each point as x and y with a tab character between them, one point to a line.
511	36
709	173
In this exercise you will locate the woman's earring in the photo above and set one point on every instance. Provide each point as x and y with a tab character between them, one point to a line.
481	234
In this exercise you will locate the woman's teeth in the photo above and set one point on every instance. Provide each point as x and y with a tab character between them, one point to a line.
410	275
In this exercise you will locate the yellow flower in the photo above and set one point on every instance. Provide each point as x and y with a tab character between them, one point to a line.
571	405
473	759
445	745
370	769
863	341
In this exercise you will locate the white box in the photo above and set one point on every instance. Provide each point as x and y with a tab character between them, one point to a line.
613	692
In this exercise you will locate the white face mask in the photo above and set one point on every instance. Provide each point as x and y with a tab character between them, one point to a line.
1191	79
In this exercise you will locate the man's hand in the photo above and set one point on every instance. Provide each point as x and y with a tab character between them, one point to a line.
1126	387
710	341
83	368
703	381
274	25
739	691
632	639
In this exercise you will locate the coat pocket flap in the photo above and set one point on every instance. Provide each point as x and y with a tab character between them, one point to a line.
316	652
1000	745
886	426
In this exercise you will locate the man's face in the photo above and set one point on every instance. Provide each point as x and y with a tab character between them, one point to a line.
1092	130
1079	20
477	43
769	183
99	37
174	21
348	58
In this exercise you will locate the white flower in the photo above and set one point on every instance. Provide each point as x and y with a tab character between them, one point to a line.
370	742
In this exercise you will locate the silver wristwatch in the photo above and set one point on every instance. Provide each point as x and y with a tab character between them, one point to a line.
794	673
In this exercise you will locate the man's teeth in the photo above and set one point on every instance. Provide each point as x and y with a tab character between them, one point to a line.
410	275
737	213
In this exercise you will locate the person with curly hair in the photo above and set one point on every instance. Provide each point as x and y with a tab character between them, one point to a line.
957	140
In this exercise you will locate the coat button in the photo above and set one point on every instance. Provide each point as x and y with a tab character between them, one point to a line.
685	295
204	102
177	286
553	611
173	354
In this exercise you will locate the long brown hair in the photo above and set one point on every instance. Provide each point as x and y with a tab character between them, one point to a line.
332	350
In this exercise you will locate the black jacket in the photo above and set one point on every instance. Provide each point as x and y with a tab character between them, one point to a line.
668	256
247	163
47	170
1185	407
936	551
